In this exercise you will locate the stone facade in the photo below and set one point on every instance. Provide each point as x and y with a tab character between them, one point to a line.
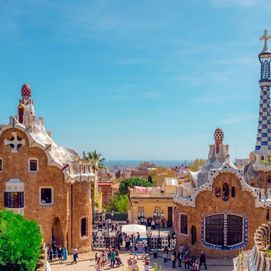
209	203
57	171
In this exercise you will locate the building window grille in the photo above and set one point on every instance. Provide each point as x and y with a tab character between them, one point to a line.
224	230
14	199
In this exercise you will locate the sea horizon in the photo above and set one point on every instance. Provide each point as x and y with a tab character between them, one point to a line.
134	163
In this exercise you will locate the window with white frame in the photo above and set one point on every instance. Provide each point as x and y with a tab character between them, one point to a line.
46	196
33	165
183	224
14	194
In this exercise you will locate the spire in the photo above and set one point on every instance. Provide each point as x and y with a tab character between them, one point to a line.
263	143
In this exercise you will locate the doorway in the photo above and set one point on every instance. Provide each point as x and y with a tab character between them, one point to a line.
57	235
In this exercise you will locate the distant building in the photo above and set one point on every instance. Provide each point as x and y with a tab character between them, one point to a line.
145	202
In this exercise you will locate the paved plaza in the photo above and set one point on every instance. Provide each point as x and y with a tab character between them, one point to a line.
86	262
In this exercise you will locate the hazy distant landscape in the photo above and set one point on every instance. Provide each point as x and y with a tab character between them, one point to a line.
134	163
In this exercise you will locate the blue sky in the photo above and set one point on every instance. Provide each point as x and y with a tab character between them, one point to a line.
137	79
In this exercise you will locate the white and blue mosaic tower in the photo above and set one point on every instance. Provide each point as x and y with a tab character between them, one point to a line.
263	144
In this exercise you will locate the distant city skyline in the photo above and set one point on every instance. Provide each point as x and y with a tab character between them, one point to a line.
144	80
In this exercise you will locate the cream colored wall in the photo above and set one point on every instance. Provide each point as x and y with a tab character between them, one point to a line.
149	206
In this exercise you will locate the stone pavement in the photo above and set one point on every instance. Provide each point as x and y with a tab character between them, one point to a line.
86	262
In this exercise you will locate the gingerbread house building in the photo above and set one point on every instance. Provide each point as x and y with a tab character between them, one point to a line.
44	181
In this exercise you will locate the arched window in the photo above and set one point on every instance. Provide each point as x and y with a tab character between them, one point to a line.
183	224
225	194
233	192
224	231
217	192
193	235
84	227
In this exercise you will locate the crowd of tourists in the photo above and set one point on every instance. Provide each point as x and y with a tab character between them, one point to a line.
182	258
179	259
109	257
56	251
154	222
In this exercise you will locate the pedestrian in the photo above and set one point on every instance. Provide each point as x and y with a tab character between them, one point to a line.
135	266
75	255
146	265
113	258
179	258
165	255
130	264
202	260
155	252
173	259
186	261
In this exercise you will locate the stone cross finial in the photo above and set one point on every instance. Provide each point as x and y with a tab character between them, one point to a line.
15	143
265	38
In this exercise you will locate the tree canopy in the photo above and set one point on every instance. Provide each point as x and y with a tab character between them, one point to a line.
131	182
96	160
20	242
119	201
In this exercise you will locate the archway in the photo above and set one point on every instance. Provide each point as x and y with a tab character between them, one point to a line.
193	235
57	234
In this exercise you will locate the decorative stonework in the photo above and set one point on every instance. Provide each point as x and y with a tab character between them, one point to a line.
15	142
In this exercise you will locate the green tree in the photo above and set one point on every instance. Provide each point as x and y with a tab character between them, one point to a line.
96	161
118	203
131	182
196	164
20	242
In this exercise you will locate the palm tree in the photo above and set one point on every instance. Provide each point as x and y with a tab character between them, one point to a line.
96	161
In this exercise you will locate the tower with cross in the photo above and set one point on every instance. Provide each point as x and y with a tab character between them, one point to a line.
263	143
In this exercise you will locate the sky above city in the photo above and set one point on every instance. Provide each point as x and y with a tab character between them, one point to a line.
147	80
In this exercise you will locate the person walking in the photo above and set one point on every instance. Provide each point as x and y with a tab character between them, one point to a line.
113	259
202	260
75	255
173	259
165	255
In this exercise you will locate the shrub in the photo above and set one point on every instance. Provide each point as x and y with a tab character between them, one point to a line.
20	242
